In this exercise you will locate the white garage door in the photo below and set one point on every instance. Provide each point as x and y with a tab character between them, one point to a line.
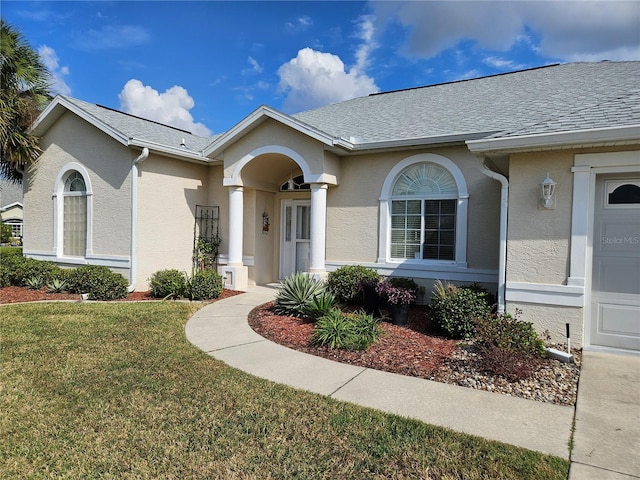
615	294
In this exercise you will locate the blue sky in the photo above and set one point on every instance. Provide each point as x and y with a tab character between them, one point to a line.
205	65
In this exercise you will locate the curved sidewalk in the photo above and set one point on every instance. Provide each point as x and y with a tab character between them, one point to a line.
221	330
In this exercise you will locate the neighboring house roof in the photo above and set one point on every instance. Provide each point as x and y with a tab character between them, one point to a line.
483	112
10	193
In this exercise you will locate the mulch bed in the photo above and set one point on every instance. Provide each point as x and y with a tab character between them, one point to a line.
402	350
23	294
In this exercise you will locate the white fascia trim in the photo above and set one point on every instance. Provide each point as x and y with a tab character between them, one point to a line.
256	118
113	261
545	294
11	205
596	136
61	101
461	138
170	151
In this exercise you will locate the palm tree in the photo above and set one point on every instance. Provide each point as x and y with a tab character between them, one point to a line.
23	94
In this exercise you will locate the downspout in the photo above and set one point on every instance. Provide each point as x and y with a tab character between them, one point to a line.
502	256
133	268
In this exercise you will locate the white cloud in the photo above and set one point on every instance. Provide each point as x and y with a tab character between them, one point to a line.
57	84
313	79
365	33
170	108
112	36
300	24
502	63
255	67
568	30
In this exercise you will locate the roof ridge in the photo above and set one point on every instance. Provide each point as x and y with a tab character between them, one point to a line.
468	79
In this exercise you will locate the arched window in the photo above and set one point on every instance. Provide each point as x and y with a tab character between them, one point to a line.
424	211
75	215
72	211
423	214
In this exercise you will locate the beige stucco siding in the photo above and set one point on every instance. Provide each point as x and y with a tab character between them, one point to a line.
538	238
282	137
353	207
108	164
168	191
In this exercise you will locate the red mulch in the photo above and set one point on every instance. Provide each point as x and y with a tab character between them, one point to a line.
403	350
23	294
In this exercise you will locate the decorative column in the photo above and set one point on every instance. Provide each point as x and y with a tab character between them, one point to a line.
318	229
236	218
235	273
579	222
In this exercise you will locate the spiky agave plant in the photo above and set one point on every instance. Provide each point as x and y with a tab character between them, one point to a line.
295	293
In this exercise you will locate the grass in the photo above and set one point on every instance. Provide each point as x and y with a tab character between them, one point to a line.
116	391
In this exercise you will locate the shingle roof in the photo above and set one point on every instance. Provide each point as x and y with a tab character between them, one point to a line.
131	126
500	103
556	98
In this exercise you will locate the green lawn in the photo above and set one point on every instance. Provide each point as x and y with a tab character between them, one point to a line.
114	390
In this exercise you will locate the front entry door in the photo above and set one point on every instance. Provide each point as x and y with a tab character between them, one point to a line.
615	289
295	237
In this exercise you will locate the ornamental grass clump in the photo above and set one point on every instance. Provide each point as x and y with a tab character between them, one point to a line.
455	309
349	331
296	293
319	305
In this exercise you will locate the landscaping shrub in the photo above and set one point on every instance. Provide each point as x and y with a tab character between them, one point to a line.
295	294
344	283
455	309
22	270
509	333
99	282
205	284
508	346
168	283
319	305
351	331
510	364
406	283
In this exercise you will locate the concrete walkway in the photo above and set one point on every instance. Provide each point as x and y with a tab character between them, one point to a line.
607	425
221	330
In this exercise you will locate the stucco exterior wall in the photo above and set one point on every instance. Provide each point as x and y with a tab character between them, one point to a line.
552	319
538	238
168	192
273	133
108	164
353	207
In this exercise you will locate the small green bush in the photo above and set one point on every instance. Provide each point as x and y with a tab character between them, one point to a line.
350	331
455	309
23	269
407	283
205	284
295	293
509	333
170	283
99	282
319	305
7	251
344	283
5	281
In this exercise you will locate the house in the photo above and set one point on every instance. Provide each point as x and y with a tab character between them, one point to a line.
525	182
11	207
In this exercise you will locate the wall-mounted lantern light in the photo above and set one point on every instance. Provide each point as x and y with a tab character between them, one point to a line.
265	223
548	188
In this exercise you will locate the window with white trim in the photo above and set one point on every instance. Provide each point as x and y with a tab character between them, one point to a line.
423	214
74	215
